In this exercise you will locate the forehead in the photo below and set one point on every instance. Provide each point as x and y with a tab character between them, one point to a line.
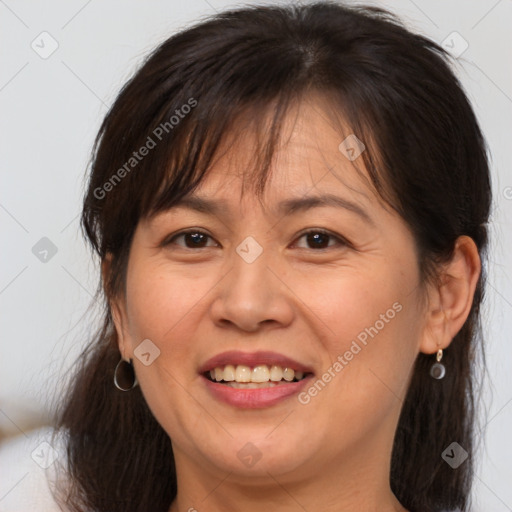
310	156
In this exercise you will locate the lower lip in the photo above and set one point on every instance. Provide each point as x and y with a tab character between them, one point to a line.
255	398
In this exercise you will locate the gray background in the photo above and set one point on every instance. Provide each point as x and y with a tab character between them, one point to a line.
51	110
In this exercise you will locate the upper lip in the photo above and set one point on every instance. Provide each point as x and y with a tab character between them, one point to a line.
236	357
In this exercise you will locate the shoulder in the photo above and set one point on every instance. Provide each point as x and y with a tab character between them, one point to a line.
28	466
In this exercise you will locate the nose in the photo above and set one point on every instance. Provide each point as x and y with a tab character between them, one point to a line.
253	295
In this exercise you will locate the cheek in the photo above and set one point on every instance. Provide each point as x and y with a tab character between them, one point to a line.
161	301
362	305
163	306
372	323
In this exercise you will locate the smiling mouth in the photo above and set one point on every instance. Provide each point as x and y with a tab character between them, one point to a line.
252	377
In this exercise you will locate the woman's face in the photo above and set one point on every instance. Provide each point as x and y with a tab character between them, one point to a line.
254	292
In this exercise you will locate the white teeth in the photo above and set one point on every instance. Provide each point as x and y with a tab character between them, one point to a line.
260	374
288	374
276	373
229	373
242	373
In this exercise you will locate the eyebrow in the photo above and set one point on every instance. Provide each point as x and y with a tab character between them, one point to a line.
218	207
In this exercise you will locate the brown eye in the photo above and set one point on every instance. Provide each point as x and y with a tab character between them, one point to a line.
319	239
193	239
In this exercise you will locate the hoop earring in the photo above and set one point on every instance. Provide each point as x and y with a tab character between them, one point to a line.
438	370
124	376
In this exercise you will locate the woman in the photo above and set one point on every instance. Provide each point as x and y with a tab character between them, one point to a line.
290	207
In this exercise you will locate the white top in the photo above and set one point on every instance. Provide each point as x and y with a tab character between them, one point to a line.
27	471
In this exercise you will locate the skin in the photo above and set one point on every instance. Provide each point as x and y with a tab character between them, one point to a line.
333	453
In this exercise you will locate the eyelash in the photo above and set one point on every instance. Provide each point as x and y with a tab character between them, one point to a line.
340	240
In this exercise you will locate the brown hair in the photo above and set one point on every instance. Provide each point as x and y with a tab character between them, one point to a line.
425	155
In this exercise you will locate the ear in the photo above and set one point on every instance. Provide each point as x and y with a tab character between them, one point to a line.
117	306
449	302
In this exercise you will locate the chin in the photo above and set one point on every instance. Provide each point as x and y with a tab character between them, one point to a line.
257	456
